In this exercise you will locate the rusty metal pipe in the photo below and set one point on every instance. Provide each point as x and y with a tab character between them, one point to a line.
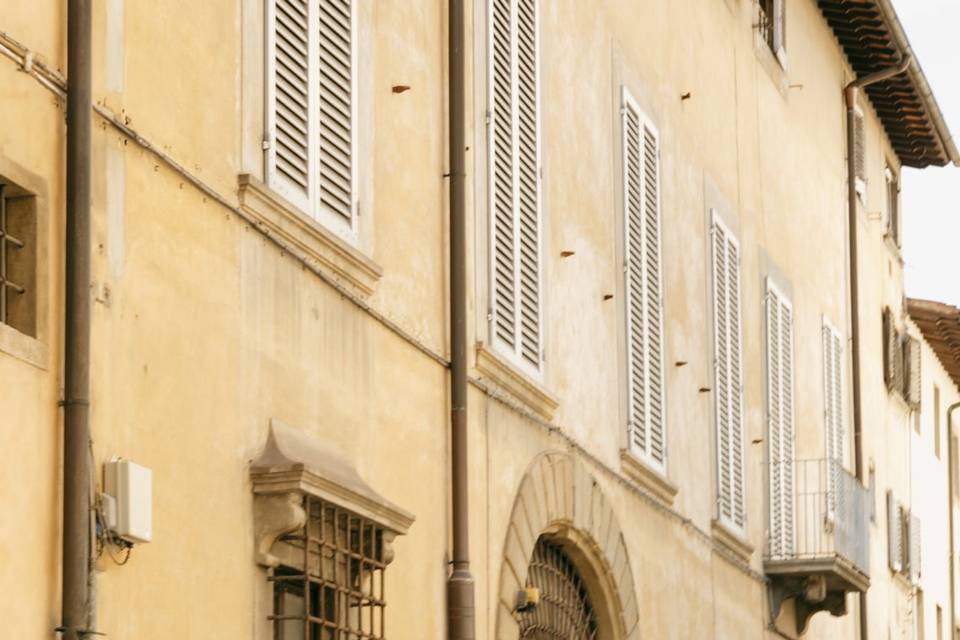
76	401
460	583
850	96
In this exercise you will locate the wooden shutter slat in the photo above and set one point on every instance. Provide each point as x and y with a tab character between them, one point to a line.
289	70
646	420
528	205
501	91
780	417
775	424
335	42
788	435
722	373
736	384
515	180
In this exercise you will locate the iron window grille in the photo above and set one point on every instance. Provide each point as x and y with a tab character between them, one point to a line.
17	273
565	611
331	583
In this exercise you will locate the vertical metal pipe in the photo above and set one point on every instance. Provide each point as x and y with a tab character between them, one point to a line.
460	586
850	97
76	402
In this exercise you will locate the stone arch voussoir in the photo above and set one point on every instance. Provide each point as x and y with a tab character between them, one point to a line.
558	496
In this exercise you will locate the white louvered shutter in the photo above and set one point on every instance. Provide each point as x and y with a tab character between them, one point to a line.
310	114
913	547
912	388
833	412
728	378
290	84
336	107
860	151
894	534
515	181
643	286
780	424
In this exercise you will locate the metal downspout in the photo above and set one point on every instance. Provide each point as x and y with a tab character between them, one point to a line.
951	470
76	593
850	96
460	584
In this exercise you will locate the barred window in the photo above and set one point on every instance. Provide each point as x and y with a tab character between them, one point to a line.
18	271
565	611
772	26
330	583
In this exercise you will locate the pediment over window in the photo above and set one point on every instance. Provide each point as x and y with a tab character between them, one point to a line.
294	465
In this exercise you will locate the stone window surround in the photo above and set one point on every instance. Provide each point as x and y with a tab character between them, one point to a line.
294	464
29	349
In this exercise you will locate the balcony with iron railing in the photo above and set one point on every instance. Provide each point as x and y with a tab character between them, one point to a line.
817	547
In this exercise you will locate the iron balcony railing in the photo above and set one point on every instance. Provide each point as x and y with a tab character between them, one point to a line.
816	511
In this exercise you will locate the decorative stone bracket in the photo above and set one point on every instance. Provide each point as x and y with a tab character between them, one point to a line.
293	465
274	515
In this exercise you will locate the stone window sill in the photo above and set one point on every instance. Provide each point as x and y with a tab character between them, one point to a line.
732	541
23	347
334	255
505	377
647	477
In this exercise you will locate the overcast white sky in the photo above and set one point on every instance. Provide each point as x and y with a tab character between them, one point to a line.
931	197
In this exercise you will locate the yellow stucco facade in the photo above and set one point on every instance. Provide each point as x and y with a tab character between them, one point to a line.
219	307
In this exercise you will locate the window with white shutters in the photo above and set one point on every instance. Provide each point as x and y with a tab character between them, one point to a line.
728	386
911	368
311	107
895	533
833	410
893	206
860	152
913	547
780	421
644	295
514	132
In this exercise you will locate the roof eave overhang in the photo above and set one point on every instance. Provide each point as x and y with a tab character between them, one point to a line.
872	38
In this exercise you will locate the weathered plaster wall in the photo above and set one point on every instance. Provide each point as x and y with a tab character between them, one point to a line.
204	331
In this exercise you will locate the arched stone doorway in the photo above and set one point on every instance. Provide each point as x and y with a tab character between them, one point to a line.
564	534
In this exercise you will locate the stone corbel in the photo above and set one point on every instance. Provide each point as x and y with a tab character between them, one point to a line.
274	515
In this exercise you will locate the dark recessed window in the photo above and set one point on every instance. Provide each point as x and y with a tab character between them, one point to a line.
330	584
18	258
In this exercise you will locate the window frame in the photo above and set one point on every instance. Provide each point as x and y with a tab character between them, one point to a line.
513	354
786	537
717	223
628	102
892	199
311	205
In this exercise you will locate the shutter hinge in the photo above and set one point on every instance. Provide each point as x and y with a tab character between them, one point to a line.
543	355
487	117
356	208
489	315
265	144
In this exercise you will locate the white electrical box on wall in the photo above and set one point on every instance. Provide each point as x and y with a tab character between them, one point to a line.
131	487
